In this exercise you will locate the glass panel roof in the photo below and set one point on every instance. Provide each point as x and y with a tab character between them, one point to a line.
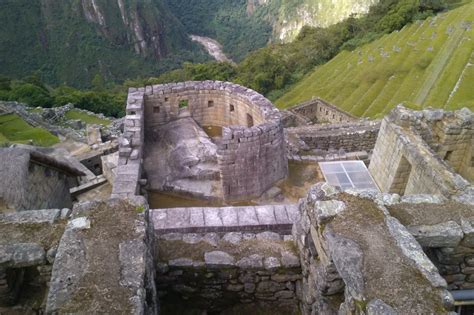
348	174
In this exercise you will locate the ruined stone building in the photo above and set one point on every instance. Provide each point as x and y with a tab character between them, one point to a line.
404	248
32	180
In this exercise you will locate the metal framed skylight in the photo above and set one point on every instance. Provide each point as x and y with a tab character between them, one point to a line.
347	174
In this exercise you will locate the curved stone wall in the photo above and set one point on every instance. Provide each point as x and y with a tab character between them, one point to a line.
252	154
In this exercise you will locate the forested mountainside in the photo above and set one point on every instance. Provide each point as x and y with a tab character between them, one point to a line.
427	63
241	26
70	42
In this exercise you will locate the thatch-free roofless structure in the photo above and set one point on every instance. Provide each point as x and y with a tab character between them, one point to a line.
33	180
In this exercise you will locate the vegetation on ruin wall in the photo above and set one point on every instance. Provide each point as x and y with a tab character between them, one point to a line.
13	129
427	63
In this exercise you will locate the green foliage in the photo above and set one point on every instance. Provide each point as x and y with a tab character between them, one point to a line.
226	21
272	69
183	103
56	40
13	129
427	63
30	94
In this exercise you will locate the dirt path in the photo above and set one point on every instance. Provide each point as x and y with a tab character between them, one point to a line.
213	47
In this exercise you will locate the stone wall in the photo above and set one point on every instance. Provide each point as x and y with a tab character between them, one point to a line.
445	230
350	137
252	154
28	243
29	184
320	111
128	178
358	259
404	161
220	271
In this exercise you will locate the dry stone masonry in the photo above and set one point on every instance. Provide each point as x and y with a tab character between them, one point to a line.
356	258
399	251
251	152
425	152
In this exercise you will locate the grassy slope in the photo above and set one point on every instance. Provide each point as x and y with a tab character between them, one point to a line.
88	119
428	63
13	129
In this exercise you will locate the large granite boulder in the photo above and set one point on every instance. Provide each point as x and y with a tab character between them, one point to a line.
180	157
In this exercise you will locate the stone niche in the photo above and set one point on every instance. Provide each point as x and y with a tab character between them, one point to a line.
251	153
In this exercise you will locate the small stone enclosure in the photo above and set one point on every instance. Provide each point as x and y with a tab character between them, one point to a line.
251	151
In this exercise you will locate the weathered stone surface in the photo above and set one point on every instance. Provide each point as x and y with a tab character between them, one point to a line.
289	260
132	262
326	210
71	246
269	286
467	226
31	217
80	223
446	234
423	198
251	262
271	263
191	238
21	255
268	236
218	259
378	307
412	250
181	262
211	238
233	237
347	257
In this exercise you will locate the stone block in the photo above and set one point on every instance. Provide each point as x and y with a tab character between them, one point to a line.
446	234
21	255
218	259
212	217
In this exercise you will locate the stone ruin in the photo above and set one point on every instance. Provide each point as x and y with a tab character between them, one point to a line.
406	249
250	157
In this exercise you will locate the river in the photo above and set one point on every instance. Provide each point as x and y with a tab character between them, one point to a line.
212	46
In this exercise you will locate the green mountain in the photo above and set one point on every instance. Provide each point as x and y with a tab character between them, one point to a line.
294	14
427	63
242	26
72	41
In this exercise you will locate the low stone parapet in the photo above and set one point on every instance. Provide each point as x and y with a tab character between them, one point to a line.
224	219
216	272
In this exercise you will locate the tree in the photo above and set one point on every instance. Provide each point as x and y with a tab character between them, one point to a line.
31	94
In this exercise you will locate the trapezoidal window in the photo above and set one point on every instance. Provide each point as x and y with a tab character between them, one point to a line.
210	103
402	175
183	103
249	120
231	108
156	110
